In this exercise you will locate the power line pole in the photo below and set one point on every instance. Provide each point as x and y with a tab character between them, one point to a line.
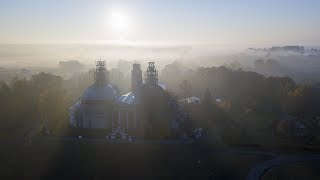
185	86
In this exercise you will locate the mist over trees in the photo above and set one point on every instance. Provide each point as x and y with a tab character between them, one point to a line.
297	62
243	94
240	103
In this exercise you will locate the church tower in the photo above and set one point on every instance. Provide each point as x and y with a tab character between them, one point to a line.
101	75
151	75
136	76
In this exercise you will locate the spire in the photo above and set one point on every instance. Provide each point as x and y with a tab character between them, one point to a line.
151	75
101	73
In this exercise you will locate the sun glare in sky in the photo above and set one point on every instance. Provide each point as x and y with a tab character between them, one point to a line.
215	22
120	24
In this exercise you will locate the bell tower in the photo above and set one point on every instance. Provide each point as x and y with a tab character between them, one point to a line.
101	75
151	75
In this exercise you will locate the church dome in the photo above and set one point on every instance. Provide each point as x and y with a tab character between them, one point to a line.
100	93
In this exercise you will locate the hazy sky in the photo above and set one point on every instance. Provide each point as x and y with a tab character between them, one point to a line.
161	21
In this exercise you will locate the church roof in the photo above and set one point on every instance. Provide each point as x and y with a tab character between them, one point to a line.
104	92
128	98
163	86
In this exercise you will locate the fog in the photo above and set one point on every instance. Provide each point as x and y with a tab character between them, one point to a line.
298	62
37	55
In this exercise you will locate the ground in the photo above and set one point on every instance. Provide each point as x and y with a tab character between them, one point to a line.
300	170
44	159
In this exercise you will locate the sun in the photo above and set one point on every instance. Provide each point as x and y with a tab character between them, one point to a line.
119	21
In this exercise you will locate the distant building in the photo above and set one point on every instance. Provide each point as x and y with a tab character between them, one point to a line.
146	111
24	73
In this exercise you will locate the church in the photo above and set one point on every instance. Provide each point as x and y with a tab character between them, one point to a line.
147	111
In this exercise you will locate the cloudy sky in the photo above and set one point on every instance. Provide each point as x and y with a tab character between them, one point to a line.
167	21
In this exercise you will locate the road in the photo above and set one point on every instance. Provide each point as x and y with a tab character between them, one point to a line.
258	171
